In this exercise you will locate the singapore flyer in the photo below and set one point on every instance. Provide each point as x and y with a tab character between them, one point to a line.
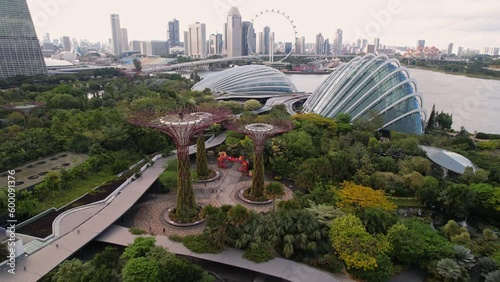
267	39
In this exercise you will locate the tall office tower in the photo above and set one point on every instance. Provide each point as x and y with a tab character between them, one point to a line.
272	40
20	51
326	48
234	30
320	43
358	43
46	38
186	43
364	42
225	38
460	52
288	47
173	33
298	46
159	48
66	43
247	38
450	49
376	42
267	33
215	44
420	44
135	45
146	48
198	41
337	43
124	37
260	44
116	34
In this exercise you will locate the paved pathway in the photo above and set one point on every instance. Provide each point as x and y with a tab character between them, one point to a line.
278	267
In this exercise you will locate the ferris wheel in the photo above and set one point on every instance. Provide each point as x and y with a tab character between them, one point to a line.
271	47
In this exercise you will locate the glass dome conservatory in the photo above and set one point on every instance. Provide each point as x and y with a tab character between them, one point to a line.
251	79
367	84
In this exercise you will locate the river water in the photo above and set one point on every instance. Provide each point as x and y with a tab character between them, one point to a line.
474	103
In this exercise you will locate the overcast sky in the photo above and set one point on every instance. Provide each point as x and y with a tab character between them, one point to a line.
467	23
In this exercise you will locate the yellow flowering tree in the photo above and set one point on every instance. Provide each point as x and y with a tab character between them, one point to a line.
356	198
354	245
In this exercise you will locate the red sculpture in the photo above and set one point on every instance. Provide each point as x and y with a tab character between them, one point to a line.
223	157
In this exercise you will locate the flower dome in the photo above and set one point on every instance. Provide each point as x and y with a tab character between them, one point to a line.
251	79
371	84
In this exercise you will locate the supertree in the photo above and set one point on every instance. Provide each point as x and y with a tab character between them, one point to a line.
259	132
181	125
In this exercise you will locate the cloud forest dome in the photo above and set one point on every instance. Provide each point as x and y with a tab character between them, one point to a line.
371	83
251	79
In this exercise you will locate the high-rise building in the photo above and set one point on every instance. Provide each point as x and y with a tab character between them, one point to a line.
326	48
358	43
198	40
320	43
135	45
116	34
46	38
234	30
300	45
173	33
186	43
248	39
215	44
146	48
124	37
364	42
450	49
20	51
337	43
159	48
370	48
376	42
225	37
267	33
420	44
460	51
260	44
66	43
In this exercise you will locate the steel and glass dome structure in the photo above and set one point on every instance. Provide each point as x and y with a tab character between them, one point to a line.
251	79
367	84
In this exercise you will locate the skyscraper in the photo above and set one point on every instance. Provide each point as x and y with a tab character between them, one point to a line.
337	43
420	44
46	38
225	37
215	44
376	42
66	43
124	37
267	33
260	46
116	34
450	49
326	48
136	45
247	38
460	51
20	51
173	33
186	43
364	42
197	41
320	43
234	30
159	48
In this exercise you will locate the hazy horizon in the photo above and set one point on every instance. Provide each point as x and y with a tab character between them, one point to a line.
466	23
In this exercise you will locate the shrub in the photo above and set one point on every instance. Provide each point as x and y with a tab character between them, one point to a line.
168	179
252	105
258	254
328	262
175	238
136	231
382	273
199	244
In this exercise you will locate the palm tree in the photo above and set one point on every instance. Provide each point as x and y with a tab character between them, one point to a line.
274	190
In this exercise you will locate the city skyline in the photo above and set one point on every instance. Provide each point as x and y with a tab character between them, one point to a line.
471	24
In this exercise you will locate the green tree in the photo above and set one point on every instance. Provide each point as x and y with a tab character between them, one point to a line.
444	120
274	190
381	273
137	65
458	199
72	271
377	220
252	105
139	248
140	269
354	245
106	265
16	118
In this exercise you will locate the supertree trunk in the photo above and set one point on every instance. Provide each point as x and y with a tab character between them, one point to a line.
186	204
257	189
201	157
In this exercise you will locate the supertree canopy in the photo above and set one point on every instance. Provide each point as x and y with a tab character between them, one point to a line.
259	132
181	125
